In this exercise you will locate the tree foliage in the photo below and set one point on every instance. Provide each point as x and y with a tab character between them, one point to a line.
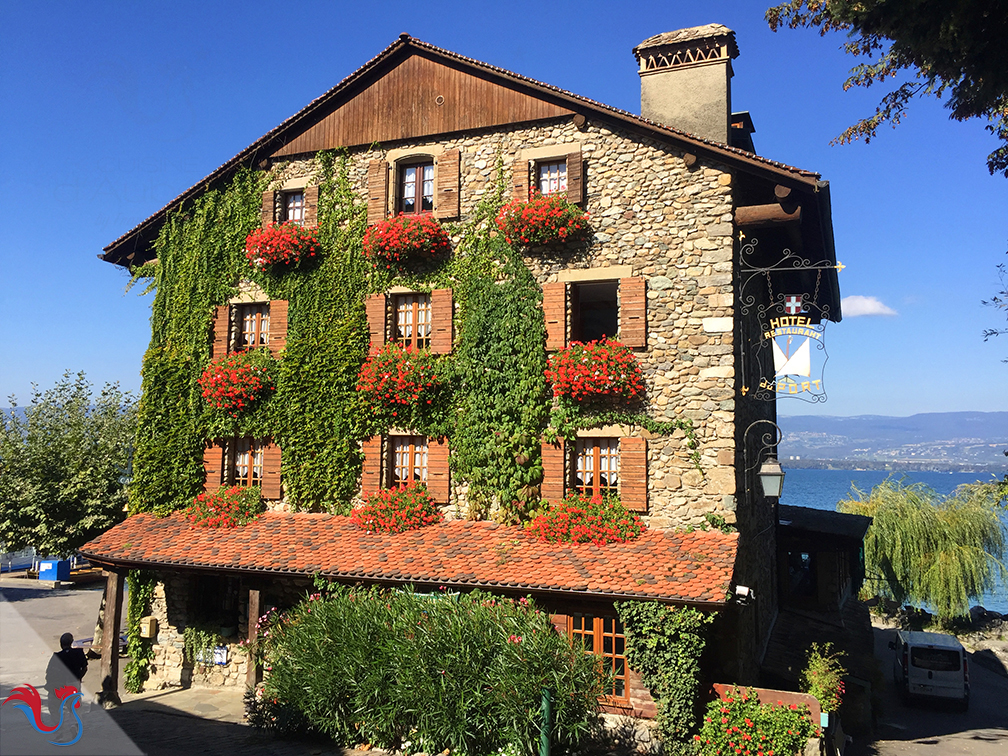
63	465
930	47
998	301
925	549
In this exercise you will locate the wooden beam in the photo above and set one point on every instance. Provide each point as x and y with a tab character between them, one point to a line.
690	160
781	192
252	670
766	215
108	696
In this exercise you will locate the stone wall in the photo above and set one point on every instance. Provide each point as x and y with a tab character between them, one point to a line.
668	224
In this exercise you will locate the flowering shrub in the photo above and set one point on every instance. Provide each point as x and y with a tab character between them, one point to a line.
396	378
286	244
226	507
544	219
399	238
579	519
740	725
822	676
394	510
236	382
594	371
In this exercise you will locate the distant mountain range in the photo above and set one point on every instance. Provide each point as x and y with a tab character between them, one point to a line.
946	441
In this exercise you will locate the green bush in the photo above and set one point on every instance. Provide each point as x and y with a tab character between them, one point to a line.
463	673
741	725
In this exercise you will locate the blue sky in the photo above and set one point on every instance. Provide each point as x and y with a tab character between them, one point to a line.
109	110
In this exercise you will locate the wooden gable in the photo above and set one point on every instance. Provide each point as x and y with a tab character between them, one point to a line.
418	96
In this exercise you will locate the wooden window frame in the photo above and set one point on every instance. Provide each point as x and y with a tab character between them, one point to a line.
416	446
590	449
294	206
417	306
561	180
250	453
576	627
420	164
258	315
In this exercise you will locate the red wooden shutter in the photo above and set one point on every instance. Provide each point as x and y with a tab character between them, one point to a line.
277	326
520	182
633	312
437	469
374	308
377	181
446	204
267	209
371	475
213	466
554	471
311	205
442	311
221	337
633	473
575	178
555	310
271	472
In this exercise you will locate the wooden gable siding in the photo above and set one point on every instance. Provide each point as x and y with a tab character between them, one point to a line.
402	104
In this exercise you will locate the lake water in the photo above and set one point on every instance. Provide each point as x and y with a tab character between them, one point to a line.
822	489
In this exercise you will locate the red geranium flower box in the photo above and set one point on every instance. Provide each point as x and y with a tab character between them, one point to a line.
545	219
595	371
578	518
226	508
236	382
284	244
394	510
398	377
403	237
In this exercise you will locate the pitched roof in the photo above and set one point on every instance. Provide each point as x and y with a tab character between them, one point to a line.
123	250
690	568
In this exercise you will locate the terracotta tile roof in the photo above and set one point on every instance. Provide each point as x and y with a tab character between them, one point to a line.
693	568
251	153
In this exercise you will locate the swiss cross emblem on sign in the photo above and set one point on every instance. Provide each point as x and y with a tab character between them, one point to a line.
793	305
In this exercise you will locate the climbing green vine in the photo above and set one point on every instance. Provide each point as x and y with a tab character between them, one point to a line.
141	592
494	407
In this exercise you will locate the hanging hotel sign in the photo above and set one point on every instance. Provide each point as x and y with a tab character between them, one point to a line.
786	352
798	355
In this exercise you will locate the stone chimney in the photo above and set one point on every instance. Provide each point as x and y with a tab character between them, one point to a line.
686	79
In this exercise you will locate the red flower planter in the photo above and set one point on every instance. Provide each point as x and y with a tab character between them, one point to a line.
596	371
226	508
398	376
235	383
398	239
287	244
543	220
394	510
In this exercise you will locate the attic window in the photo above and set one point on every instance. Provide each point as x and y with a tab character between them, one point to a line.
416	188
294	206
552	177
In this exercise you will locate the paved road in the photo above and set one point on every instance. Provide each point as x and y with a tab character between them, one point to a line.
939	729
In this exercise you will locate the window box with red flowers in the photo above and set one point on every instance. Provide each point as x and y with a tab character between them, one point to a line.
401	385
237	382
544	220
595	372
402	238
286	244
395	510
579	518
226	508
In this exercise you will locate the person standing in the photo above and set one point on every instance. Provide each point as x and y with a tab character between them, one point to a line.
66	667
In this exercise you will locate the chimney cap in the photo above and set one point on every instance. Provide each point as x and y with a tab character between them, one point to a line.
693	34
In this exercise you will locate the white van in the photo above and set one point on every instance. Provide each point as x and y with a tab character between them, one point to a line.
932	665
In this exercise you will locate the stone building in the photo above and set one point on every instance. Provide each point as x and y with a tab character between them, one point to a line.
677	199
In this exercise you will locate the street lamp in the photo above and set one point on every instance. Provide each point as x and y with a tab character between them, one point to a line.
771	476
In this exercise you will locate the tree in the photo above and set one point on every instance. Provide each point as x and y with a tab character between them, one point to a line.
925	549
63	465
933	46
1000	302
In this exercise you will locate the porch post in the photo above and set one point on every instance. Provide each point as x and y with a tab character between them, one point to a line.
108	696
252	668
